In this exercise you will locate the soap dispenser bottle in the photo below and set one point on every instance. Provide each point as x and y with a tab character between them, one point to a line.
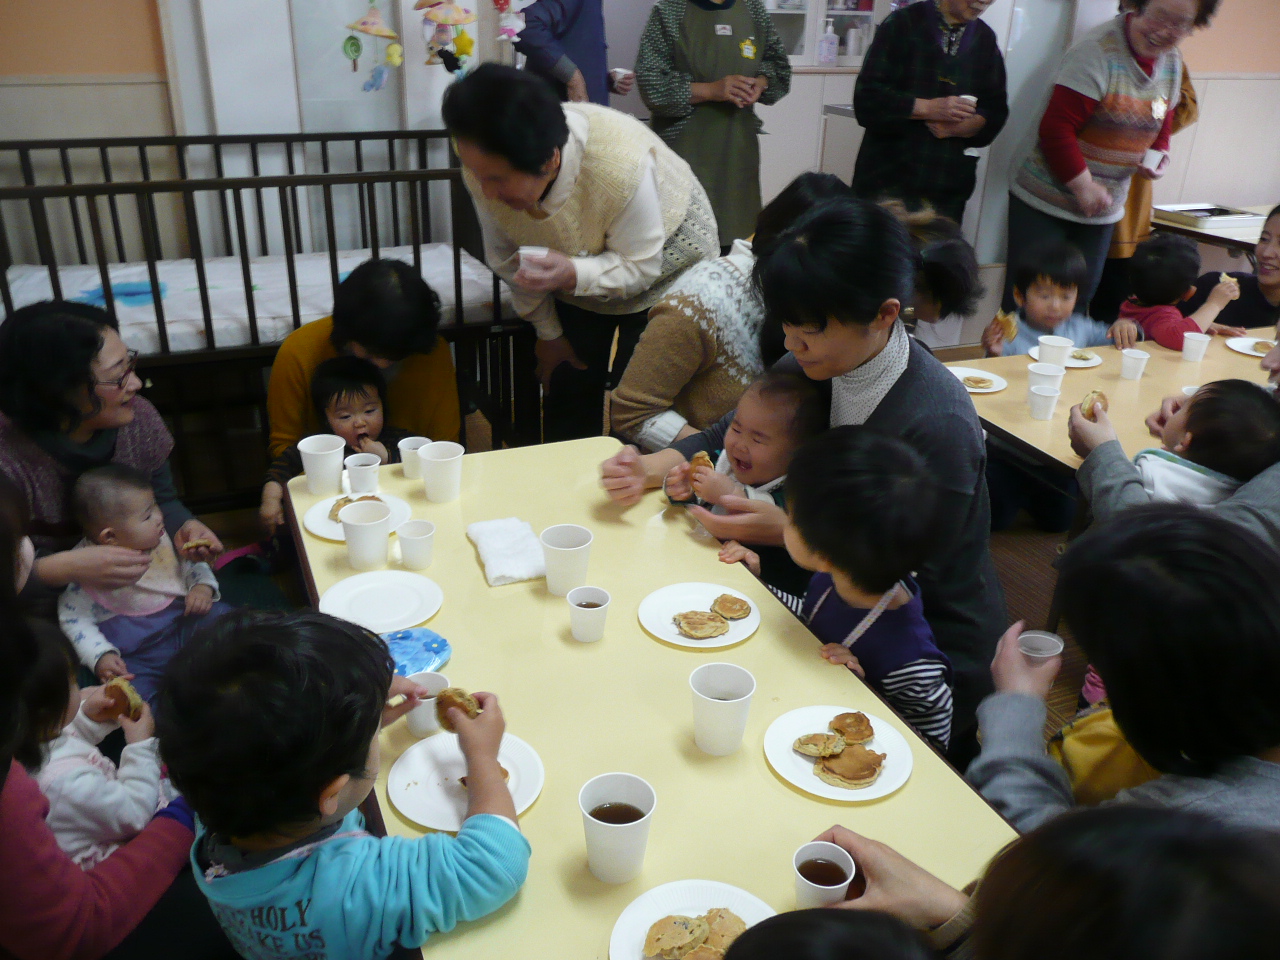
828	45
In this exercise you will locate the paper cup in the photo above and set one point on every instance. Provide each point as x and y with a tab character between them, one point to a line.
362	472
619	72
367	527
1194	345
442	470
721	701
1045	375
1132	363
1151	160
422	719
567	547
810	894
970	98
587	623
410	463
416	540
1037	645
1055	350
1042	401
1190	391
615	851
322	463
532	253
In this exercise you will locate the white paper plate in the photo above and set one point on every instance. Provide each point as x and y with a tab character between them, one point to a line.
317	521
686	898
1245	345
1034	354
423	782
657	609
797	769
998	383
384	600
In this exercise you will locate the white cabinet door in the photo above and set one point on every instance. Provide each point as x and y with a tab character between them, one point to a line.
792	134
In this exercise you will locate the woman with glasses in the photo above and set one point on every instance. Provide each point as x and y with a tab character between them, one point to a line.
1110	116
69	402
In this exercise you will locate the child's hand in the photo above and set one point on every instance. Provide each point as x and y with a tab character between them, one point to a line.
622	476
110	666
993	339
734	552
480	738
711	486
96	705
1221	330
1086	435
144	728
677	485
413	693
271	510
1015	673
842	656
367	445
1124	334
1224	291
199	600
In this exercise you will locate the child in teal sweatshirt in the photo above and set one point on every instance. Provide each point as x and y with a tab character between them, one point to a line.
269	725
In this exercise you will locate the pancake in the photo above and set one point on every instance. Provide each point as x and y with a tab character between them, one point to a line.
701	459
455	697
725	927
700	625
125	701
674	937
855	767
731	607
346	502
1264	346
1008	324
854	727
196	544
704	951
1225	278
819	744
978	383
1084	355
1091	399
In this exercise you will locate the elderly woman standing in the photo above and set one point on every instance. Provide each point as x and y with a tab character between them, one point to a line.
621	217
1114	101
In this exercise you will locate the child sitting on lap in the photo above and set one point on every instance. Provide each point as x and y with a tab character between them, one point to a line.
350	395
133	631
93	805
269	724
1162	274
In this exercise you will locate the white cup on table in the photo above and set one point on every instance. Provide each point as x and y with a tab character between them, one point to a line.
810	894
1055	350
1194	346
1042	401
722	695
442	470
1040	645
422	719
410	463
322	463
567	548
588	608
417	538
1045	375
1133	363
362	472
615	851
367	527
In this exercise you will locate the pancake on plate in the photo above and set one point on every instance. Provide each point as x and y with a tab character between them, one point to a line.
700	624
725	927
731	607
855	767
978	383
1264	346
675	937
1083	355
853	727
346	502
819	744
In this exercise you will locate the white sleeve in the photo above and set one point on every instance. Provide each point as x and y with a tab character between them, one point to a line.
79	617
632	258
659	432
86	802
502	255
194	574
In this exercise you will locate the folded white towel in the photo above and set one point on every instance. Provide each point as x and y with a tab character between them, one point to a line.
509	550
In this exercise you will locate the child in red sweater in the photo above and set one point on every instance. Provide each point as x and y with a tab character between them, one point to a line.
1162	274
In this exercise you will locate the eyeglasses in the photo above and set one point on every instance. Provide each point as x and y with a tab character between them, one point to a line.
131	364
1180	26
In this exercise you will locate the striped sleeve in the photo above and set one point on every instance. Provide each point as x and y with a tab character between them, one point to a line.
920	693
789	600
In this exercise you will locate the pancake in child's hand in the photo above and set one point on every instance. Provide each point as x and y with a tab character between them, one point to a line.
1225	278
1092	399
726	926
197	543
855	767
819	744
675	936
455	697
700	624
978	383
346	502
125	701
1008	323
854	727
701	459
506	775
731	607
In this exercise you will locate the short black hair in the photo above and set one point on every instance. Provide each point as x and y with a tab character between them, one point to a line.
46	354
1056	261
799	196
46	691
948	273
1205	9
865	501
261	710
826	934
386	307
1235	428
342	378
1174	604
1163	269
1131	882
17	639
840	261
809	403
513	114
95	497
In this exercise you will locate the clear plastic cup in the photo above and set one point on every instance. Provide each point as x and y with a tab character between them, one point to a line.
1038	645
1042	401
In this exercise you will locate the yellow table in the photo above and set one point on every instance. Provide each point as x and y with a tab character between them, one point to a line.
1006	415
624	704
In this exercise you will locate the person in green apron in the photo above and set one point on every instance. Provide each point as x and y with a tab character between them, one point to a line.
702	67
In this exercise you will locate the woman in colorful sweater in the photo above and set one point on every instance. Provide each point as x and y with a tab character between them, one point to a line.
1115	99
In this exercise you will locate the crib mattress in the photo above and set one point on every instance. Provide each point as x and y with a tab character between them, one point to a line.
180	294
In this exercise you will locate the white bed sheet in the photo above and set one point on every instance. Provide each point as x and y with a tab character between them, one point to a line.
180	293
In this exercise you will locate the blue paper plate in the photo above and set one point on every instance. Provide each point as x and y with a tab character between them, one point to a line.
417	650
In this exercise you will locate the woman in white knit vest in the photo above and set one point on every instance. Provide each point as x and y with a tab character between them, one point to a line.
620	214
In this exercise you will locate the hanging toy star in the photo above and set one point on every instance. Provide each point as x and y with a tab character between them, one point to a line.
463	44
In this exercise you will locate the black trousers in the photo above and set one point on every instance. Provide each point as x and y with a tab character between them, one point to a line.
1028	226
574	406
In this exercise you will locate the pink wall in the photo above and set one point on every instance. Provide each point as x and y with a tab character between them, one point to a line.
1243	38
51	37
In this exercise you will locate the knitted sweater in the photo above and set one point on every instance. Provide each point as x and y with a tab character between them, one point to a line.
697	355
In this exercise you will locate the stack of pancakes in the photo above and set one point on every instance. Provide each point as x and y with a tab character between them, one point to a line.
841	759
703	625
694	938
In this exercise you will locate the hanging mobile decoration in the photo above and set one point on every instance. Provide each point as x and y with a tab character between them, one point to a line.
372	25
443	28
351	49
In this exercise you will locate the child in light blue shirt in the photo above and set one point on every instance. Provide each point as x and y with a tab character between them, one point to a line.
269	725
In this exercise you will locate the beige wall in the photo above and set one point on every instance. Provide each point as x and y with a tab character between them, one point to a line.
53	37
1243	38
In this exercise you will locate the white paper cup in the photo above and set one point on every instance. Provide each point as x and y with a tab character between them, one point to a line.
1190	390
1151	160
442	470
587	623
567	548
1194	345
409	460
1042	401
1045	375
422	719
322	463
969	97
416	540
1037	645
367	527
362	472
810	895
721	701
615	851
1055	350
619	72
531	253
1132	363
